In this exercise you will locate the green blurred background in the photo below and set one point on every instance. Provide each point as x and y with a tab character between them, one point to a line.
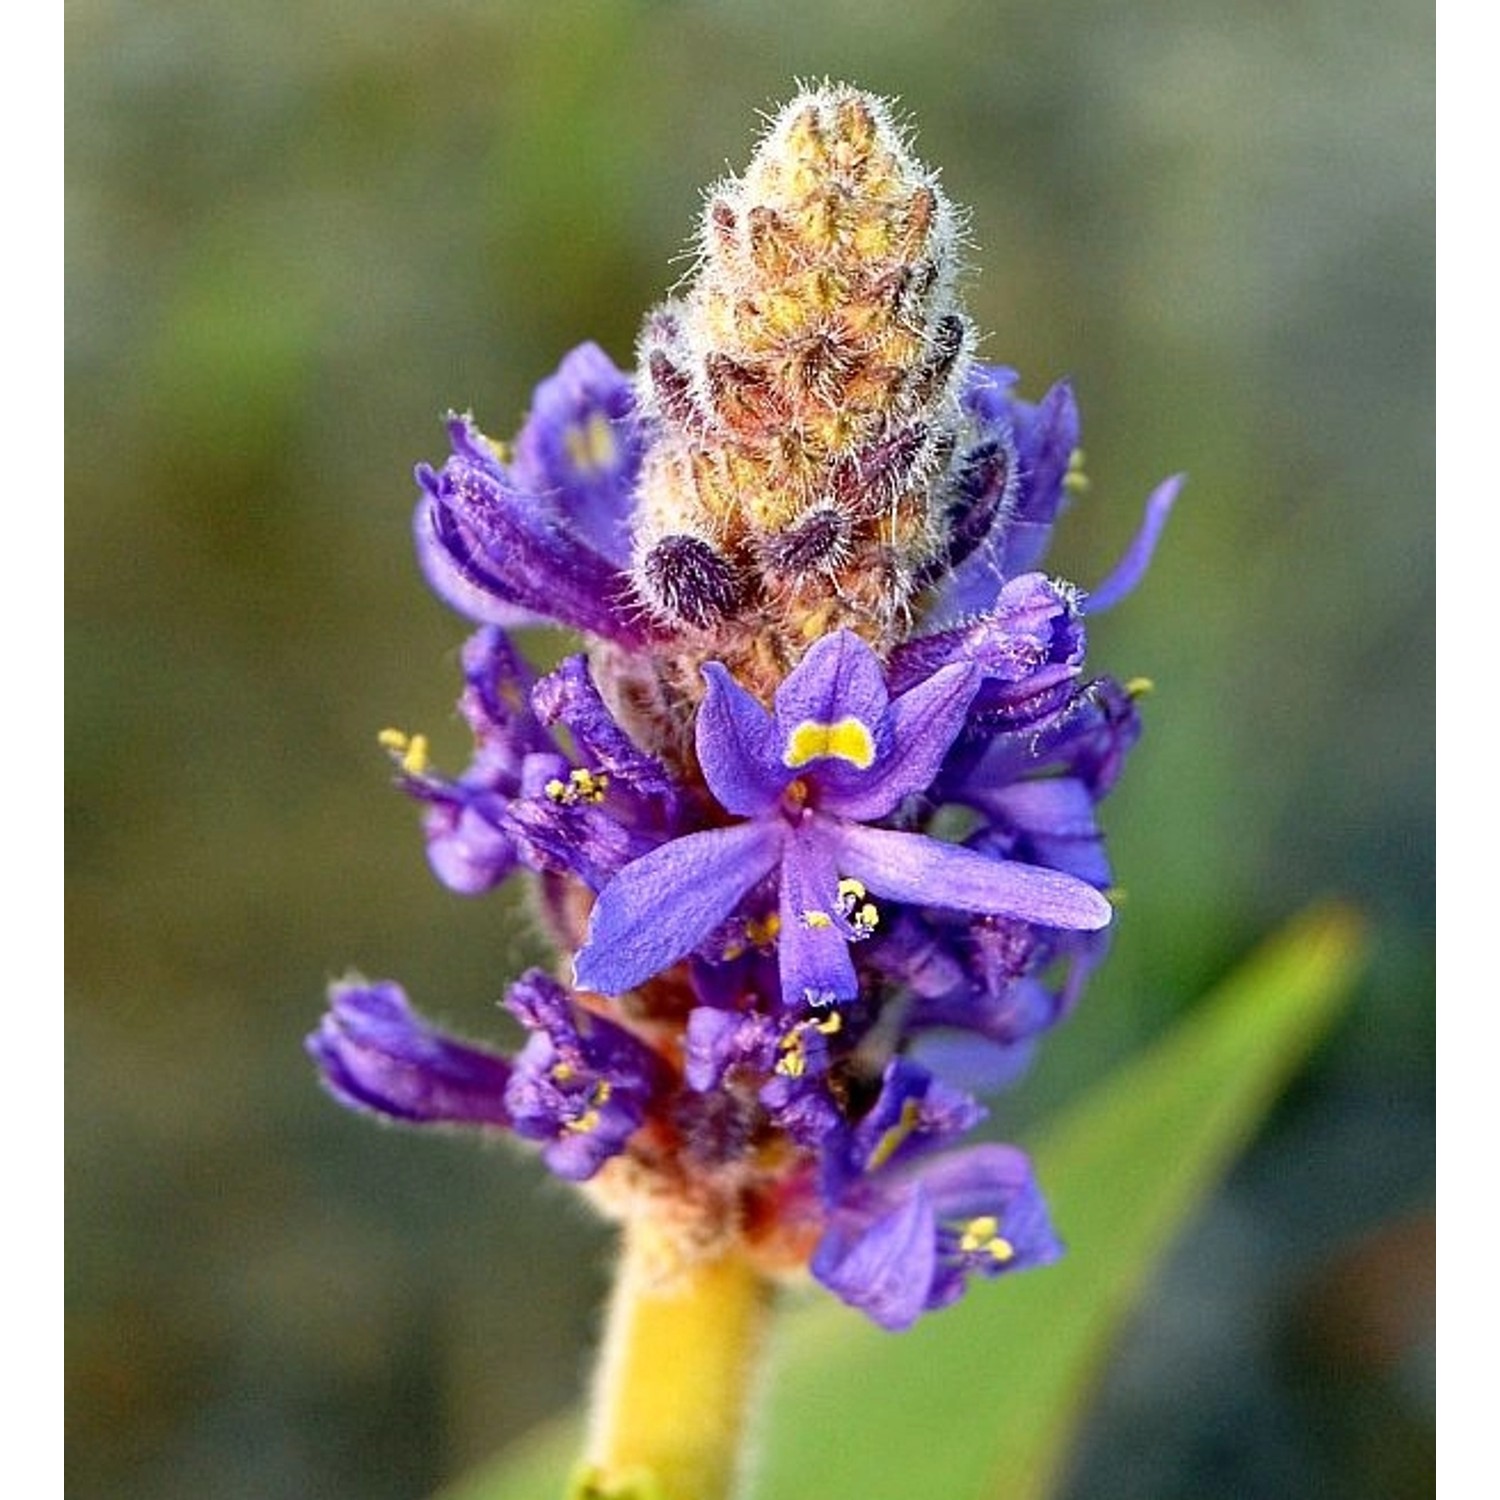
298	232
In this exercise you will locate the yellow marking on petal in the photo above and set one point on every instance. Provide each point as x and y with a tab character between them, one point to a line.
847	739
894	1138
591	446
410	751
817	920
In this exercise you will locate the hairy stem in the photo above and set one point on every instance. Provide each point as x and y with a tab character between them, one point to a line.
675	1377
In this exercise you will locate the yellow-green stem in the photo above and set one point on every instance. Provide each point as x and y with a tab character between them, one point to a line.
675	1377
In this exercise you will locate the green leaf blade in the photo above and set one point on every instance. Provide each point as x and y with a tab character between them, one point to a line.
982	1402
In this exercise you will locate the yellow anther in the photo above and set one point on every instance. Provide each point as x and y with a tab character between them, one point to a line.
581	786
817	920
1138	687
591	446
894	1138
983	1234
830	1025
587	1121
1075	480
793	1061
586	786
763	932
847	739
863	916
978	1232
410	751
562	1071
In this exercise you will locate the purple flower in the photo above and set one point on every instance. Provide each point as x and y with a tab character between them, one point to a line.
581	1084
546	537
522	801
900	1247
375	1053
810	779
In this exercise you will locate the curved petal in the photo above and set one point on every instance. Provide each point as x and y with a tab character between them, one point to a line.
1131	568
833	704
663	905
813	945
477	532
922	724
738	747
910	867
376	1053
884	1268
581	448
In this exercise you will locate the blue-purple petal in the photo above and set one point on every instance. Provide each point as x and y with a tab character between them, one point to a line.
484	543
884	1267
661	907
580	447
839	678
569	696
739	747
813	946
920	728
1131	568
376	1054
912	868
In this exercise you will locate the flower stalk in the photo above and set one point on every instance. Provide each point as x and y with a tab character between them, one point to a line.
675	1377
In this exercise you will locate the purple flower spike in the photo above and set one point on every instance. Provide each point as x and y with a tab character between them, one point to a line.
375	1053
813	805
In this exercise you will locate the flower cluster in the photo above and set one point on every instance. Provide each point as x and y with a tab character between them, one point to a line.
814	811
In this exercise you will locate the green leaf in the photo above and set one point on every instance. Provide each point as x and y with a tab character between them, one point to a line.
981	1403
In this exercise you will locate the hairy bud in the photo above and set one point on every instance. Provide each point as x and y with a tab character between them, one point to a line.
804	389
